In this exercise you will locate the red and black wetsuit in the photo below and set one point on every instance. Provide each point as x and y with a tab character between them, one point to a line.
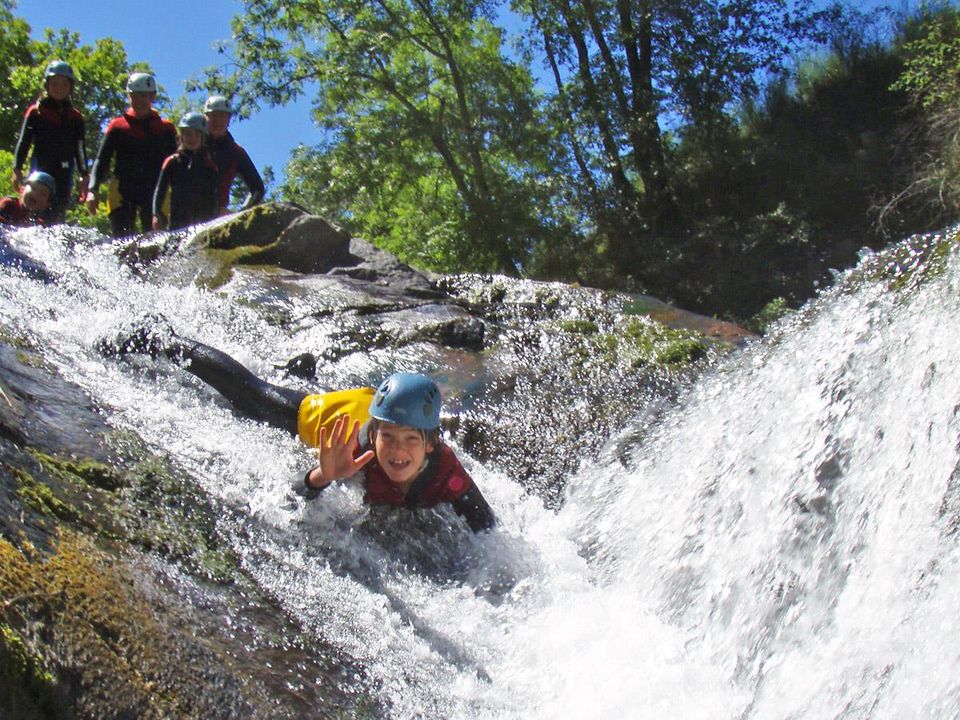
192	180
13	212
140	147
55	130
232	159
443	480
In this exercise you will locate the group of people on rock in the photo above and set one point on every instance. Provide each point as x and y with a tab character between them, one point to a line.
165	178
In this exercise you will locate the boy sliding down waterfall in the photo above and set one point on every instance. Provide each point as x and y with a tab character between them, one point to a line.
387	439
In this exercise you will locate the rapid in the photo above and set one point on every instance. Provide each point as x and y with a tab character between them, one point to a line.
782	542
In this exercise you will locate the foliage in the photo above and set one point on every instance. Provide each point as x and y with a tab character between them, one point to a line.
931	55
624	71
433	147
14	51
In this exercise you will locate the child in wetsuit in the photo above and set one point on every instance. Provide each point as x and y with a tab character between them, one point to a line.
191	177
54	128
403	461
36	195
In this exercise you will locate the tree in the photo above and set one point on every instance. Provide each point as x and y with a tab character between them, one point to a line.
623	70
14	51
424	117
930	45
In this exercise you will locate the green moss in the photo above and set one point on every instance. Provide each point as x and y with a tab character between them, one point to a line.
22	673
642	342
93	622
770	313
15	339
225	260
912	262
90	472
579	327
264	219
42	499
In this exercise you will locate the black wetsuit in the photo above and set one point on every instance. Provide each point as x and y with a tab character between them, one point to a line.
191	177
251	396
55	131
140	147
231	159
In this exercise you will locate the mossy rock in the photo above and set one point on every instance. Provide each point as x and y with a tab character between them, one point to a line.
30	690
641	342
259	226
83	632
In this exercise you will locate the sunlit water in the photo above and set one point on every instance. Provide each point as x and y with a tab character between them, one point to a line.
782	545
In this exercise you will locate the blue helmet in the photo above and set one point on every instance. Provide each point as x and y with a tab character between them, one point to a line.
38	176
409	399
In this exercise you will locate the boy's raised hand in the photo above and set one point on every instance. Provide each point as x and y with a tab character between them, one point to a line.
336	450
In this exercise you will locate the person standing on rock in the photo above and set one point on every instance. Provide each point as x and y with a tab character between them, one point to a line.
138	142
190	176
54	128
402	461
230	158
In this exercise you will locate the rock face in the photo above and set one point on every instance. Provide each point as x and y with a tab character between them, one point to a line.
113	581
95	533
285	236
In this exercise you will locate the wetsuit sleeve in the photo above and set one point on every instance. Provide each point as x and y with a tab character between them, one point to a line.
305	491
163	183
80	151
251	177
473	507
25	140
101	166
170	147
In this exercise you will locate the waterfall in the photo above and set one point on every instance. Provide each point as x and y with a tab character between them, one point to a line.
783	544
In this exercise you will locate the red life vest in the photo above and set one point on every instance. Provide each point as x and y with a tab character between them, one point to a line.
444	480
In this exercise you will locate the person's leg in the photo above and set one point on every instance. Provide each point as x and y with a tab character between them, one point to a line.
251	396
255	398
145	211
121	220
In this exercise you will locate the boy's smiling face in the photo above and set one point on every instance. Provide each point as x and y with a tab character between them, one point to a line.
401	451
36	197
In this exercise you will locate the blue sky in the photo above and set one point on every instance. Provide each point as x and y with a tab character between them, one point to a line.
177	38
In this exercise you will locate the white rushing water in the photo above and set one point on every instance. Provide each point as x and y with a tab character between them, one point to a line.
783	545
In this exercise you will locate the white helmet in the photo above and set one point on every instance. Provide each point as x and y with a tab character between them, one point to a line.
141	83
217	103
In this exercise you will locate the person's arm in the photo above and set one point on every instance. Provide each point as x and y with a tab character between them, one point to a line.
251	178
160	192
23	147
337	456
473	507
100	170
80	158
